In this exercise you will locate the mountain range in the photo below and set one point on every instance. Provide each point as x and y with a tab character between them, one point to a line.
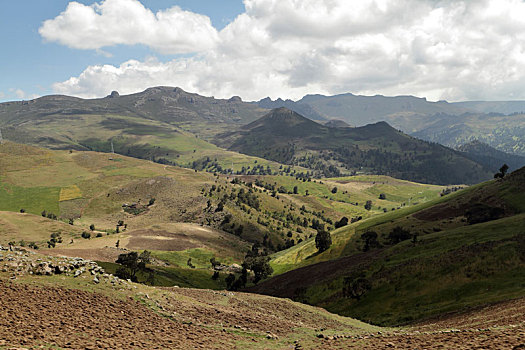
451	124
187	129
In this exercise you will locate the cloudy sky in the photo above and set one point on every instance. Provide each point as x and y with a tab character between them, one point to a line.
453	50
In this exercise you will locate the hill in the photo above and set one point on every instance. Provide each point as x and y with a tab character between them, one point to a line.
287	137
499	124
164	124
490	157
461	251
49	309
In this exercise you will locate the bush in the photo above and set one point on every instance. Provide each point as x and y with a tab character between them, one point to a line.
398	234
342	222
86	235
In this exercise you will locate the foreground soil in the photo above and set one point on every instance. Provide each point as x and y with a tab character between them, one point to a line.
74	319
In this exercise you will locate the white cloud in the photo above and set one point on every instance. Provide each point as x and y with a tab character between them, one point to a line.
113	22
287	48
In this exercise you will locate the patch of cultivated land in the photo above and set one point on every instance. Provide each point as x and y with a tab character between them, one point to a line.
75	314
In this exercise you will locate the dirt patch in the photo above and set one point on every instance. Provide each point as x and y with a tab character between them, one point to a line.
159	240
74	319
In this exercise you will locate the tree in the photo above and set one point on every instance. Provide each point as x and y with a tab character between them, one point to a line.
132	263
370	238
382	196
230	279
92	227
342	222
86	235
368	205
118	243
260	265
502	172
22	210
323	240
151	202
334	190
399	234
214	262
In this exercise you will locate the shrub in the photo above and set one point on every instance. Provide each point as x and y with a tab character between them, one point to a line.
342	222
398	234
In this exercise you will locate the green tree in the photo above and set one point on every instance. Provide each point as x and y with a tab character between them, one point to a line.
260	265
342	222
132	263
323	240
370	238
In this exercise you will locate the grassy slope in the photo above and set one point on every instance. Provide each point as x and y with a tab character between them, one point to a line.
451	266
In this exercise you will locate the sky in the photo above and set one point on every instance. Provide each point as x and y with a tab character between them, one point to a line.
439	49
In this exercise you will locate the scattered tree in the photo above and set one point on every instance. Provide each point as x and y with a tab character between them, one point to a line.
323	240
342	222
502	172
398	234
132	263
370	238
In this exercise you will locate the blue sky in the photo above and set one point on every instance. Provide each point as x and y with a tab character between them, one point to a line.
452	49
30	64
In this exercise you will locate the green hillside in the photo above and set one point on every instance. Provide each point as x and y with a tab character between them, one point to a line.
460	251
289	138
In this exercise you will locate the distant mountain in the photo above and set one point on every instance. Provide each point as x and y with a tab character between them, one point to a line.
287	137
451	124
337	123
301	108
502	132
64	122
504	107
361	110
490	157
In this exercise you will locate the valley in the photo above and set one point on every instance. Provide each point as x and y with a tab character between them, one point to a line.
225	201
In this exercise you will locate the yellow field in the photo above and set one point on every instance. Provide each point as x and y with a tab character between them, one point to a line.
69	193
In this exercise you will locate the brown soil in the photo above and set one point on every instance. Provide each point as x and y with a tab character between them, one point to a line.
73	319
498	326
159	240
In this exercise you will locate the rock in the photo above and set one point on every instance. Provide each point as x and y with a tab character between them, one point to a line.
114	94
95	280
